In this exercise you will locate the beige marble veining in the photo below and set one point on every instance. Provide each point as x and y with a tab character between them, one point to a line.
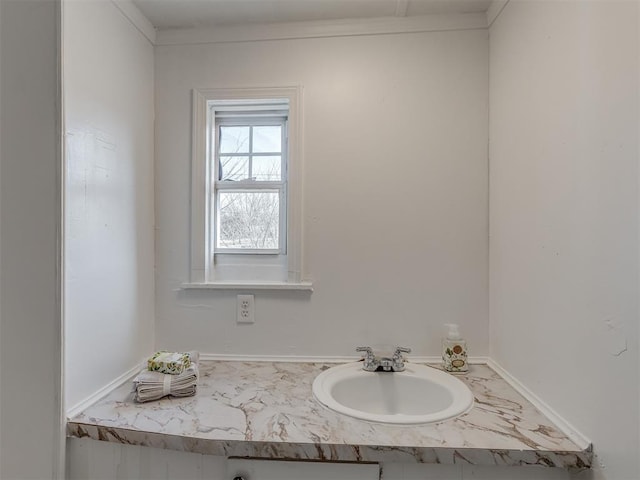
267	410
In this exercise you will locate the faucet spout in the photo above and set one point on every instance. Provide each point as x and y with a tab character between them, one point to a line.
386	364
373	363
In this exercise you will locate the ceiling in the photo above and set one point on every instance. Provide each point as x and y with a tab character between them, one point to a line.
165	14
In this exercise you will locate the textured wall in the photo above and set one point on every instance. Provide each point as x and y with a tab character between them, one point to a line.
395	193
564	214
108	75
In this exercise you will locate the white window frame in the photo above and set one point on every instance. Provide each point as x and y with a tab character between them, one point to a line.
255	271
250	186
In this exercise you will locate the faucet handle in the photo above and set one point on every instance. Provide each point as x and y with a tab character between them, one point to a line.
370	362
400	350
367	350
398	358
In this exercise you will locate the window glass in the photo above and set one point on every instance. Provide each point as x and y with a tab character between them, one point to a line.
267	139
266	168
248	220
234	168
234	139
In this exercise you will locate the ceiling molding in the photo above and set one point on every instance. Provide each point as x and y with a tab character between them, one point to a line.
494	10
336	28
402	6
137	19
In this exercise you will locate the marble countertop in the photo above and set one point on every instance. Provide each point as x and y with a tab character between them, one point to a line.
267	410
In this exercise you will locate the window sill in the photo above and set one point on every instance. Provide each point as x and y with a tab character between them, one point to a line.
305	286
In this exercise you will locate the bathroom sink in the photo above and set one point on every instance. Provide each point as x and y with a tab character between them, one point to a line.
419	394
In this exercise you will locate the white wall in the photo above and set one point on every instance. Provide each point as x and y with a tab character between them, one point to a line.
564	215
30	161
109	282
395	193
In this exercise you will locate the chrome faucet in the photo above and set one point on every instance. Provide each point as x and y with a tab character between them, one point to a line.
373	363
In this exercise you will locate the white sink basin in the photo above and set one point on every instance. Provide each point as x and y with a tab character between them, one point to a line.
420	394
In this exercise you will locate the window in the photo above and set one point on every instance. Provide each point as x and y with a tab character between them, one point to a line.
250	172
246	189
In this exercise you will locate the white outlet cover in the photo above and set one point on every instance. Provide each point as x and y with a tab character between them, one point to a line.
245	309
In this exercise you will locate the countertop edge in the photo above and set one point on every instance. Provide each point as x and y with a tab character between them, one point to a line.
281	450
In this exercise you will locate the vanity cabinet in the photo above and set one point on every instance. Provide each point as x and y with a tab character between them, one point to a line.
241	469
96	460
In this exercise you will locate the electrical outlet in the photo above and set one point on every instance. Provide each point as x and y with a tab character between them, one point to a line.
245	309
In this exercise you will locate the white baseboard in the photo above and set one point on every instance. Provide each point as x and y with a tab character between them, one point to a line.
569	430
318	359
228	357
104	391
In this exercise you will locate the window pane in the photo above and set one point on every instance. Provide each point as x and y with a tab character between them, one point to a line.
234	168
267	139
248	220
266	169
234	139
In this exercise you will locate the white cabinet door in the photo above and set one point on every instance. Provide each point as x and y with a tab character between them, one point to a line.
297	470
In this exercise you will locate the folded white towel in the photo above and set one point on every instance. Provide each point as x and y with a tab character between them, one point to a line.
154	385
